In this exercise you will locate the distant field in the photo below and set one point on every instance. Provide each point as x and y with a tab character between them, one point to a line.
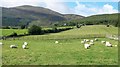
42	49
6	32
83	32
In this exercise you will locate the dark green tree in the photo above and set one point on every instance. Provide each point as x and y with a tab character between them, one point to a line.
35	30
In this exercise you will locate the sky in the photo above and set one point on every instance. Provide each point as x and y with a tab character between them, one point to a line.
80	7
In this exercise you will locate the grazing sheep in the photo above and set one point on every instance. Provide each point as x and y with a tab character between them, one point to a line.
115	45
82	42
25	43
108	44
115	38
96	39
24	46
92	41
102	41
56	42
1	43
87	40
13	46
86	46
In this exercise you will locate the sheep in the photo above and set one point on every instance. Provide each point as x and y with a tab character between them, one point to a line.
86	46
82	42
115	38
102	41
115	45
56	42
96	39
24	46
13	46
92	41
108	44
87	40
25	43
1	43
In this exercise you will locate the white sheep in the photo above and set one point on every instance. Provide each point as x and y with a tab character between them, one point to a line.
25	43
108	44
1	43
92	41
86	46
102	41
24	46
87	40
115	38
96	39
56	42
82	42
13	46
115	45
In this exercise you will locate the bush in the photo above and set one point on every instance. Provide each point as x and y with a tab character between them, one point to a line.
108	25
23	27
7	27
78	26
13	34
35	30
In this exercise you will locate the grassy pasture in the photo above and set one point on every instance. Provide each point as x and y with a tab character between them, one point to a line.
6	32
44	52
42	49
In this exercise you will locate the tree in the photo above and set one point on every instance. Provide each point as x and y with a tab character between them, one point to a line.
78	26
108	25
35	30
23	27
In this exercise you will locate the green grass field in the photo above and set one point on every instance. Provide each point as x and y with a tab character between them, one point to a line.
6	32
42	49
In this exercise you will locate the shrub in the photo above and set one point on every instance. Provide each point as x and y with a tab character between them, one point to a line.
35	30
13	34
23	27
7	27
108	25
78	26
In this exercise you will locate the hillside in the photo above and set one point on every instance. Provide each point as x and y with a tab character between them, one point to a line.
23	15
99	19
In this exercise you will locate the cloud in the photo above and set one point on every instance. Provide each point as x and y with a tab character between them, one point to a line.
84	10
61	7
58	7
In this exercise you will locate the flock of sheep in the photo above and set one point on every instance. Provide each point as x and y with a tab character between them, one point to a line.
24	46
91	42
87	43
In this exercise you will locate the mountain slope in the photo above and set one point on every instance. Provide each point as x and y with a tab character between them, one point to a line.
23	15
100	19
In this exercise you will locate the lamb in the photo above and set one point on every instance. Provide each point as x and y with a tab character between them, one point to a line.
86	46
108	44
102	41
13	46
56	42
